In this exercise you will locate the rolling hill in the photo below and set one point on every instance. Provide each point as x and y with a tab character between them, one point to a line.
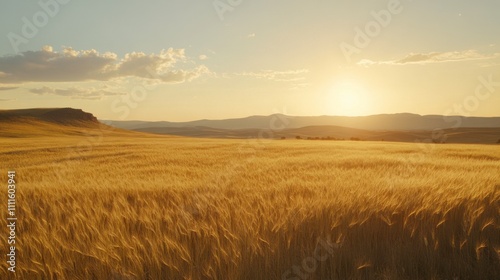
460	135
387	127
68	121
402	121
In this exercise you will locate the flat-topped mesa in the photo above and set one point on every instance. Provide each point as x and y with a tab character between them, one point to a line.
65	116
68	115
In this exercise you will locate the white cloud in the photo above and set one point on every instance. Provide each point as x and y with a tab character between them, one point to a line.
433	57
70	65
278	76
203	57
299	86
180	76
252	35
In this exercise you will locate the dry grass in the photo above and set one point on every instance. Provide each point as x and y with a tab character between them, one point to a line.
175	208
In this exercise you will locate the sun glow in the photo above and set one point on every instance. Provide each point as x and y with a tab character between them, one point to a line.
348	98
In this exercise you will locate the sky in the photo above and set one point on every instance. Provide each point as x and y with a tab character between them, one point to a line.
183	60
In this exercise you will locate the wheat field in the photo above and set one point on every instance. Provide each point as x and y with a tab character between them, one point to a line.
147	207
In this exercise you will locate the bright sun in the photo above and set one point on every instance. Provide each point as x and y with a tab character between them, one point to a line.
348	98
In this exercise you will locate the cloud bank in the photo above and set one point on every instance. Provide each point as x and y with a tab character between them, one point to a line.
71	65
7	88
76	92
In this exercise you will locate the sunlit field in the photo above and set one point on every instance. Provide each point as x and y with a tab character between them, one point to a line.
137	207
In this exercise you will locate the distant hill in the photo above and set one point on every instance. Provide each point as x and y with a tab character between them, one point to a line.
460	135
397	127
398	122
388	127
